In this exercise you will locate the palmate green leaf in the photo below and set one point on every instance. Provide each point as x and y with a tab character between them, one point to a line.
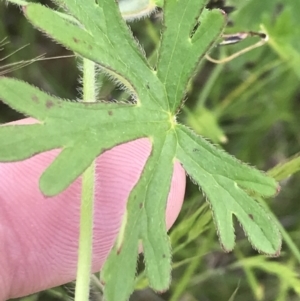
83	131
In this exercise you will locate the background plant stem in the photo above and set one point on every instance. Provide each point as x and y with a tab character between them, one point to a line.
87	200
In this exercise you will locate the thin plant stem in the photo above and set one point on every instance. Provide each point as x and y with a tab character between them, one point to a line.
210	82
234	94
254	284
285	235
191	268
87	200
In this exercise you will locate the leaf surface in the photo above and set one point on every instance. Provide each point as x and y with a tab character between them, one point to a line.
82	130
223	183
104	49
145	222
185	41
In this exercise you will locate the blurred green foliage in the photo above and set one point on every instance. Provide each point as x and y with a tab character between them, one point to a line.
252	102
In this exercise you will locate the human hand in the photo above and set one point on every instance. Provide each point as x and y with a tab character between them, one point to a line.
39	235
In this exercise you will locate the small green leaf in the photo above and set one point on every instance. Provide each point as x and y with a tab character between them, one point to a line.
135	9
283	36
285	169
205	123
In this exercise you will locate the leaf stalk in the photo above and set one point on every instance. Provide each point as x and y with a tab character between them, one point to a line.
85	250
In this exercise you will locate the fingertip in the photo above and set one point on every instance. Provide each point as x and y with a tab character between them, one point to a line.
45	230
176	194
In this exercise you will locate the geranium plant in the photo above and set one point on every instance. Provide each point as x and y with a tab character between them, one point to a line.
97	32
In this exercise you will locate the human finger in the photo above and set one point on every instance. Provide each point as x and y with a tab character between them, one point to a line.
39	235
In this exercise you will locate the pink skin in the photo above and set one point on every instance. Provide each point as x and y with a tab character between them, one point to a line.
39	235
